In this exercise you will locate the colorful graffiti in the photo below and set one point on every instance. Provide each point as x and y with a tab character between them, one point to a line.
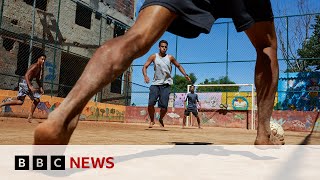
207	100
92	111
51	75
102	113
240	103
299	91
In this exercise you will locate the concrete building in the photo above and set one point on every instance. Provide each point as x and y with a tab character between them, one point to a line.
68	32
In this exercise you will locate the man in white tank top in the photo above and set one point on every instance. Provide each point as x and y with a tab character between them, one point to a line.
162	80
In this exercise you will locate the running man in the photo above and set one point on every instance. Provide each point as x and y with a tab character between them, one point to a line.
26	87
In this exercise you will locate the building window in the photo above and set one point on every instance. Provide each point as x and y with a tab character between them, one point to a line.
116	85
8	44
40	4
69	75
83	16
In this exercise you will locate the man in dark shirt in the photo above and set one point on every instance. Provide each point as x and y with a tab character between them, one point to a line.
192	100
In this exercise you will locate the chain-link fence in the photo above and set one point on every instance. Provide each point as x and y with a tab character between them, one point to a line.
69	31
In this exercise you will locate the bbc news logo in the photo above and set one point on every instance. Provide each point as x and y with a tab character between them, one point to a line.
54	162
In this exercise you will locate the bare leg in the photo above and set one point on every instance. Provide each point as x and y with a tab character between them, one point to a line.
198	120
33	108
12	103
184	121
107	63
163	112
151	115
263	38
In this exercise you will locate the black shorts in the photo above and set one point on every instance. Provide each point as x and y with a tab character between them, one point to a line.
193	111
161	94
198	16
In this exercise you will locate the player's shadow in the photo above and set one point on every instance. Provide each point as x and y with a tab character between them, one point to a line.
191	143
175	150
156	129
307	139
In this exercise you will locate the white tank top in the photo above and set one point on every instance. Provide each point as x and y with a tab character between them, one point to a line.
162	70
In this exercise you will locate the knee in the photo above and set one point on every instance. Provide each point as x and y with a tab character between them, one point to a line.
138	42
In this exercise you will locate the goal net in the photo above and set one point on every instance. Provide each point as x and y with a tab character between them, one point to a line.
212	97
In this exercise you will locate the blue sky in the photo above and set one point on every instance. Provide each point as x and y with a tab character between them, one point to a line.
213	47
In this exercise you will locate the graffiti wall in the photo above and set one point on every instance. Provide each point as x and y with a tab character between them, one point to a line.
299	91
216	118
290	120
92	111
231	100
297	120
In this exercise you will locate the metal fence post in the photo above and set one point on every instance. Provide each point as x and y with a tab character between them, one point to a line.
55	49
32	31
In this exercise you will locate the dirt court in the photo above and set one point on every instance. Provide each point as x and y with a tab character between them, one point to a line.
17	131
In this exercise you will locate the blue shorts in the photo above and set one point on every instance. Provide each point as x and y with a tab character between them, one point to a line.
198	16
24	91
161	94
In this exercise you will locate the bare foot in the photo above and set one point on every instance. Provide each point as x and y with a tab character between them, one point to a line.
161	123
199	127
274	139
29	119
52	131
151	124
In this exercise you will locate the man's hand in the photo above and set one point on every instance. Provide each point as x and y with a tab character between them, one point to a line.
188	78
146	79
32	89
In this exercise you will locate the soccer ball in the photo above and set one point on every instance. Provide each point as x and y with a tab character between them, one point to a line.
276	126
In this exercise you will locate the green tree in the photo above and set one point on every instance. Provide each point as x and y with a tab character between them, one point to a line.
221	80
180	83
311	47
292	32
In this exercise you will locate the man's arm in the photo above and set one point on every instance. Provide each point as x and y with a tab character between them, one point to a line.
28	76
178	65
40	84
145	67
198	102
185	102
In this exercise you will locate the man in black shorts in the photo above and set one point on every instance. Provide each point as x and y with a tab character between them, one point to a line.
188	19
192	100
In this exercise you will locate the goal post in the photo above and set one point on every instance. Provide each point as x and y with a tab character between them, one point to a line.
214	99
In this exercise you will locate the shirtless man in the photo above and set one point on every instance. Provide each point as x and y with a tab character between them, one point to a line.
26	87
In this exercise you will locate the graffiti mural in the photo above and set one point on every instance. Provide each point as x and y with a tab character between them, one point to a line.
207	100
92	111
299	91
51	75
240	103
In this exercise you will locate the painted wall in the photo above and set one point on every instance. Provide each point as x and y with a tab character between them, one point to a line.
234	100
299	91
92	111
290	120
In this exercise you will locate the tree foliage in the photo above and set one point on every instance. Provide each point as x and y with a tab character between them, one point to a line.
311	48
221	80
181	83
